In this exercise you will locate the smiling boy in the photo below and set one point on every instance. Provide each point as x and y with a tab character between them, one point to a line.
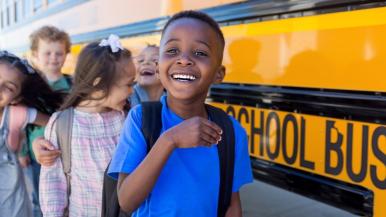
180	175
148	87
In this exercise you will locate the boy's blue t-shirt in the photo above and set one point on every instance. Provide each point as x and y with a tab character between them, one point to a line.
189	182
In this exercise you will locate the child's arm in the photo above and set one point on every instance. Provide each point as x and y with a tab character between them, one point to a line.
36	117
134	188
52	185
23	156
41	119
234	209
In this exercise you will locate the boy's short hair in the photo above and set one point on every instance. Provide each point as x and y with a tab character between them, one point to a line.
51	34
198	16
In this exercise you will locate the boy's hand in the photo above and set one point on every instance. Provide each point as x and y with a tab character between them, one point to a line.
194	132
44	151
24	161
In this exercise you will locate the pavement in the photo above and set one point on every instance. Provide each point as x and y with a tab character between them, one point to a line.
263	200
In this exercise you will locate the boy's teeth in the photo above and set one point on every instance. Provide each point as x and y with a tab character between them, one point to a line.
184	77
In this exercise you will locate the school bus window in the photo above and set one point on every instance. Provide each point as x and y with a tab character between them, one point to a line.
17	11
7	14
52	1
27	6
2	20
38	4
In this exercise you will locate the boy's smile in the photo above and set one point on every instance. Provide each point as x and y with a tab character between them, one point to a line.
182	76
190	59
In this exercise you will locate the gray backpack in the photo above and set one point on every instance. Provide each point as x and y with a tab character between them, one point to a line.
64	134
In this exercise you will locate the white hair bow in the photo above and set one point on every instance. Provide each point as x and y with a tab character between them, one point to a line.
113	42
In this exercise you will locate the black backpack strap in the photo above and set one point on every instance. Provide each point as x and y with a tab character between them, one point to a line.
151	122
110	203
226	154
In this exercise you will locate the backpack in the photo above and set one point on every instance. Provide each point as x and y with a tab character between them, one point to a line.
17	122
64	134
151	128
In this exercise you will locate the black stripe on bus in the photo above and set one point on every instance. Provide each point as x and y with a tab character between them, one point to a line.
352	198
261	10
350	105
243	12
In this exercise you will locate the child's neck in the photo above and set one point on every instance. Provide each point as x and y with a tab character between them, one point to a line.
91	106
53	76
188	108
154	92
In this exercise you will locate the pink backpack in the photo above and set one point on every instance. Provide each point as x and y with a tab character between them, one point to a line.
17	122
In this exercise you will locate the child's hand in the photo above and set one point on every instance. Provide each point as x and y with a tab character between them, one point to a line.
24	161
44	151
194	132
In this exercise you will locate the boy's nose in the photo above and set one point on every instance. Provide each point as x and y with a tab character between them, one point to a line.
148	62
184	60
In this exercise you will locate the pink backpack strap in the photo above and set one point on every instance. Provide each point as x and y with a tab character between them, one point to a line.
17	122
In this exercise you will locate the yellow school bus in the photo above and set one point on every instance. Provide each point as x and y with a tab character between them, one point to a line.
304	77
307	85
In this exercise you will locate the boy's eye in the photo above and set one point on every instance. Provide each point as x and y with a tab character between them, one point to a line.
9	89
172	51
140	60
155	59
200	53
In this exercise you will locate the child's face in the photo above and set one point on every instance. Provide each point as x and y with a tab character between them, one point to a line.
50	56
10	84
190	59
147	67
122	88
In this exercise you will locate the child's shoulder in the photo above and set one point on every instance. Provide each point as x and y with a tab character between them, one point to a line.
136	111
238	129
135	114
54	117
151	110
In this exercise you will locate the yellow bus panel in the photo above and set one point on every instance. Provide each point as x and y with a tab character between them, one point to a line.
349	151
343	51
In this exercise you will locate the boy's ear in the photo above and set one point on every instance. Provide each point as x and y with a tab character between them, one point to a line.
220	74
34	54
34	57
